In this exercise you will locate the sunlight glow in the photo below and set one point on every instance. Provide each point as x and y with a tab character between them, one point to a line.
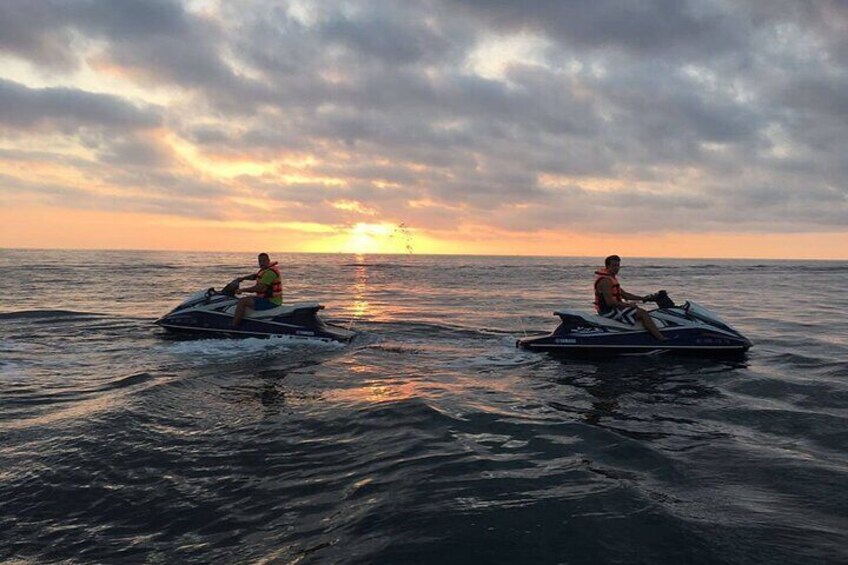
592	184
216	167
493	56
29	225
368	238
354	206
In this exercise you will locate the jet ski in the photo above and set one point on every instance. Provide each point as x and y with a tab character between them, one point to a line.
690	329
211	312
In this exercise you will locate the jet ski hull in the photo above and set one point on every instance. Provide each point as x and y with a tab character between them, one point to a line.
689	330
203	314
569	344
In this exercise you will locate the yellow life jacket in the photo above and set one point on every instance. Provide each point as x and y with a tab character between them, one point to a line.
275	290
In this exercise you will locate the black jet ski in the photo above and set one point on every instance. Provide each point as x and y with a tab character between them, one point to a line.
211	312
690	329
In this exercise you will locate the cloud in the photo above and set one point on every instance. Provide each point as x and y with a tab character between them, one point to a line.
24	107
136	151
387	36
39	32
32	29
613	115
173	196
682	28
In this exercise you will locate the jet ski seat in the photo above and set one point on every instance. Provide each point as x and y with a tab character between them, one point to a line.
592	319
283	310
595	320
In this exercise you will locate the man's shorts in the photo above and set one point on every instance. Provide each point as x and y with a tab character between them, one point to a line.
263	304
624	315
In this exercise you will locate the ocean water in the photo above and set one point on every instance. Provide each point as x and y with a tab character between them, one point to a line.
430	438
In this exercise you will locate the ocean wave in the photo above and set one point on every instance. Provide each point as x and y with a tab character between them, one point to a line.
508	356
53	314
741	267
397	347
679	267
801	360
10	346
432	329
127	381
202	350
396	413
384	265
834	268
12	371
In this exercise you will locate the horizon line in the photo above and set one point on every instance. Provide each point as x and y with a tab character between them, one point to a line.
135	250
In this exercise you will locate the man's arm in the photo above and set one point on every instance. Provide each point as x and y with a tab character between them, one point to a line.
628	296
261	284
258	287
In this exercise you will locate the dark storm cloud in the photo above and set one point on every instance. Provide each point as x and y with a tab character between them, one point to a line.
23	107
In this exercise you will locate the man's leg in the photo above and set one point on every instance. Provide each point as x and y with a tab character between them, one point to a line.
649	324
243	303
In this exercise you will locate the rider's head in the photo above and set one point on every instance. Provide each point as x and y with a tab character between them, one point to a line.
613	263
264	260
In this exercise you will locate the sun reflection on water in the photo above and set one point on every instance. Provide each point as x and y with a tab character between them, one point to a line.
360	287
362	307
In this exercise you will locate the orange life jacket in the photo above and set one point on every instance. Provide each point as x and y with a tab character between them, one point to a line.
275	290
600	304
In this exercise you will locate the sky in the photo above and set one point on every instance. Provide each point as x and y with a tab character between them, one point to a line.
662	128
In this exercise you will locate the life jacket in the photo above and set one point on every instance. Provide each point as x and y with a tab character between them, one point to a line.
600	304
275	290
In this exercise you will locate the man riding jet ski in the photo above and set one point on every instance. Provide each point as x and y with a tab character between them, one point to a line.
623	328
268	289
610	299
220	312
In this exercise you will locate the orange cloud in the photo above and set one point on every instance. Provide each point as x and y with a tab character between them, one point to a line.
353	206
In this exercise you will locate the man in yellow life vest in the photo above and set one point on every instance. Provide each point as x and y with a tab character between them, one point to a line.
268	289
610	299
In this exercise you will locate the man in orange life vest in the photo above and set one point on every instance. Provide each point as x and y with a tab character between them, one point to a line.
610	297
268	289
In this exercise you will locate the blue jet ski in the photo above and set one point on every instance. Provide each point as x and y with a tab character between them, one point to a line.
690	329
211	312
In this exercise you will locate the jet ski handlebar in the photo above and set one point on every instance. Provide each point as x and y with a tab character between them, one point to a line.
229	290
662	299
